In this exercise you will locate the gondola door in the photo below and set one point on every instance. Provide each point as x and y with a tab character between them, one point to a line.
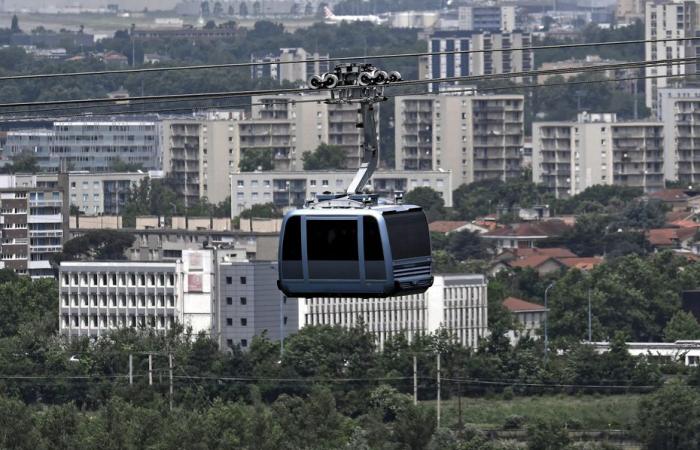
332	253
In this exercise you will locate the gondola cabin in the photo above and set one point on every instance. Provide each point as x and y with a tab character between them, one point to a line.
376	251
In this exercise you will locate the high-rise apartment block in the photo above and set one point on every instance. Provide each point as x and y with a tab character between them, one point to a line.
291	64
664	20
455	303
286	126
199	153
33	223
569	157
477	137
679	110
487	18
484	60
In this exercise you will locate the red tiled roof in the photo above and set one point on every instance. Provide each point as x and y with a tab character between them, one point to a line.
672	216
446	226
514	304
555	252
533	261
684	223
582	263
661	237
540	228
670	195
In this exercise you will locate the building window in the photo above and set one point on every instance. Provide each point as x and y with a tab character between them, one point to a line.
229	342
229	321
244	301
244	322
244	342
229	280
243	280
229	301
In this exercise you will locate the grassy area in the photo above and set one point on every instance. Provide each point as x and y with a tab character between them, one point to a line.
588	411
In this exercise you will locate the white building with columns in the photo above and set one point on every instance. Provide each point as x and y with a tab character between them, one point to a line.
456	303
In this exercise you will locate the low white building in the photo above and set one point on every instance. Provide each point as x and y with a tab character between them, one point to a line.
686	351
530	318
456	303
287	189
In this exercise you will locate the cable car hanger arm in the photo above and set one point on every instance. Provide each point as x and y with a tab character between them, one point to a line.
370	149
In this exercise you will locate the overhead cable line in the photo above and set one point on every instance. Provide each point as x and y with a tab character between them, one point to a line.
338	59
204	108
472	78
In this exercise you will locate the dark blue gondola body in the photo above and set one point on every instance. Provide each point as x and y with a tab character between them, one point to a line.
377	251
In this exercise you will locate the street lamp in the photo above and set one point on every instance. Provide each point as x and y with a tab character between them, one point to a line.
546	315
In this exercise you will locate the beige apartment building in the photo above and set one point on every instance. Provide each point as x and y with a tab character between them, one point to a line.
679	110
569	157
200	152
289	125
477	137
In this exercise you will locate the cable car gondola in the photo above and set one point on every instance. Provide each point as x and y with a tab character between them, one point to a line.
375	251
350	244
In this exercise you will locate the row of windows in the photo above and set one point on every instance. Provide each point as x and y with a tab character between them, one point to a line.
121	279
244	342
243	280
120	300
113	321
243	301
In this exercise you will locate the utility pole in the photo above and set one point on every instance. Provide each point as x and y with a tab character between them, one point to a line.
546	315
131	369
589	316
415	380
170	367
459	402
150	369
438	390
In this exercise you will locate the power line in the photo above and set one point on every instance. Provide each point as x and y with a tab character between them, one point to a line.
474	78
338	59
11	119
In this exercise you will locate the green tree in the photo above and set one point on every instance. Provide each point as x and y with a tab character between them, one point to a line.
17	429
430	200
261	211
14	27
682	326
325	157
669	419
547	435
414	427
252	160
467	245
97	245
119	165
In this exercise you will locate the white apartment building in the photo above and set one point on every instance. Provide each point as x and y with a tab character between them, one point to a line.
679	110
482	62
290	64
477	137
487	18
670	19
456	303
286	126
200	152
569	157
292	189
215	291
629	11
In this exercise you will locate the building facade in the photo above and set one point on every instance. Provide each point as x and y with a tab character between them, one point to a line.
32	226
251	304
569	157
485	60
286	126
198	154
663	20
97	146
290	64
679	110
213	291
487	18
292	189
477	137
455	303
